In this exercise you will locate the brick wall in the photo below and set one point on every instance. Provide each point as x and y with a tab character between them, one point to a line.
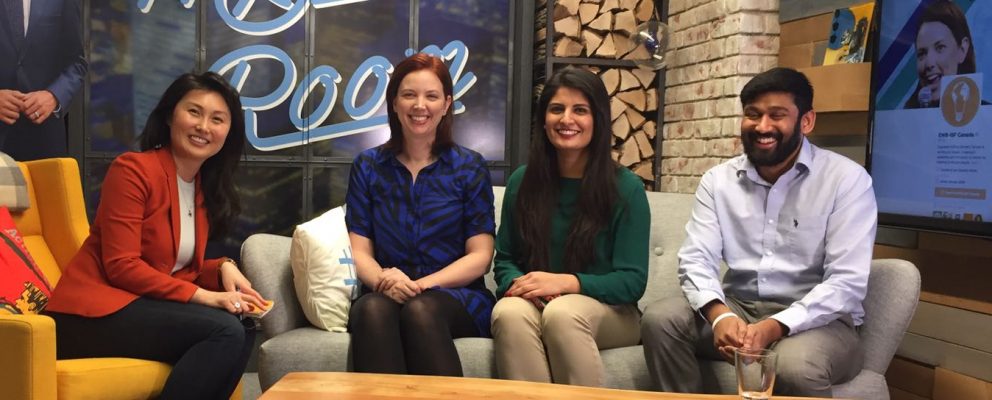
716	46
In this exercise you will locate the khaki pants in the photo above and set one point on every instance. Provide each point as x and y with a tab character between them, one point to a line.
809	362
561	343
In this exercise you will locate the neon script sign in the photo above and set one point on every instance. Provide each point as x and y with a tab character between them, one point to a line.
375	70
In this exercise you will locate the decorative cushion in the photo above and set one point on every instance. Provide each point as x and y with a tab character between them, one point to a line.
13	187
23	287
323	271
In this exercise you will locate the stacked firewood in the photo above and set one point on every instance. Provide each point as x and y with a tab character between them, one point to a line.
633	107
595	28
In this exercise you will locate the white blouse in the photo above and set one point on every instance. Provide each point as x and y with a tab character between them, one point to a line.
187	223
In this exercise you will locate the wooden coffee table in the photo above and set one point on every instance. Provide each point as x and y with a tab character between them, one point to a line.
359	386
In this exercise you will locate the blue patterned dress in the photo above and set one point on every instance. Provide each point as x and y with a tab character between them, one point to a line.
422	227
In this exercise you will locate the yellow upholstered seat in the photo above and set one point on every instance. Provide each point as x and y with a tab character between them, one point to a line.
54	228
111	378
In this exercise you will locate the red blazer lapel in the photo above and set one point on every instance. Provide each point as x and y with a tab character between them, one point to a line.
169	167
200	213
201	228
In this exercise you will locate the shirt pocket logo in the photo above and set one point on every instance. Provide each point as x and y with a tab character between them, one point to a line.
807	237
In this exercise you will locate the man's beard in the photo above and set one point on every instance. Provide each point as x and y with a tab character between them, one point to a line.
782	151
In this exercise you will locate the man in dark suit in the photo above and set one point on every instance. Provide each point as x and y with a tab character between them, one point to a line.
42	66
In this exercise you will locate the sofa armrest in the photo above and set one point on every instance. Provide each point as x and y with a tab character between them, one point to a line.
28	356
59	194
893	293
265	259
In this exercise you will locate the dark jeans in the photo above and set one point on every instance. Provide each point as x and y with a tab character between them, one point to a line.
208	348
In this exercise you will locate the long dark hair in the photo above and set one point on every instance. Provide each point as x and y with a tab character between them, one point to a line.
949	14
538	195
217	173
415	63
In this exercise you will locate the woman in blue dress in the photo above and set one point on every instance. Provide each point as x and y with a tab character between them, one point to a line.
421	222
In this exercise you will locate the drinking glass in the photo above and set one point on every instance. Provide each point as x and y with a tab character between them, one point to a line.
755	373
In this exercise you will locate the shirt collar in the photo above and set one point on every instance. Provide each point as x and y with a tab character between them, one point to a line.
804	163
384	155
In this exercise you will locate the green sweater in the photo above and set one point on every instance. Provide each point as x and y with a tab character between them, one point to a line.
619	273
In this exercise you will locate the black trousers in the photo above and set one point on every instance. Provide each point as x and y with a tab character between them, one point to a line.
208	348
25	141
414	338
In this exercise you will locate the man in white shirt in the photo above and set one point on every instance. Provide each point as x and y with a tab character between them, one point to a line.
795	225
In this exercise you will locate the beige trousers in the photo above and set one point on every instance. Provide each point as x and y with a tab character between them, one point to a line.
562	343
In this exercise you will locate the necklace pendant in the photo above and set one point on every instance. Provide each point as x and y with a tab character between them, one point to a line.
189	213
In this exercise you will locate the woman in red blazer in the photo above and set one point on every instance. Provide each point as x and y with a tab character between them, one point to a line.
140	287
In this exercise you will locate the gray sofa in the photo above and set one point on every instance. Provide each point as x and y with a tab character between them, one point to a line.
293	344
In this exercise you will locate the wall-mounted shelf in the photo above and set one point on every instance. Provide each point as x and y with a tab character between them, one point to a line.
840	91
840	87
841	123
837	87
593	61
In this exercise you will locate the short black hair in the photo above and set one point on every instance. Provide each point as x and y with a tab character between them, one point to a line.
785	80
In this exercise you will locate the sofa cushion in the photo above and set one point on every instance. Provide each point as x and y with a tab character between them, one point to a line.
312	349
303	349
110	378
476	356
13	186
669	212
626	368
323	271
866	385
23	287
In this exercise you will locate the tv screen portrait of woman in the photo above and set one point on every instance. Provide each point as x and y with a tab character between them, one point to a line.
944	47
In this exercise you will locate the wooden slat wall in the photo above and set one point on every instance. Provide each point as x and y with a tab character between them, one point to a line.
949	385
915	379
952	267
841	88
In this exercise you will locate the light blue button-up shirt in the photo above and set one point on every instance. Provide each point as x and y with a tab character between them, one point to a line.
805	241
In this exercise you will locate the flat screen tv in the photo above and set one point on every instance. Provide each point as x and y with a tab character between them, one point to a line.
930	149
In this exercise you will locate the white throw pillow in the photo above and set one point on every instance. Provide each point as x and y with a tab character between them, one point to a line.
323	270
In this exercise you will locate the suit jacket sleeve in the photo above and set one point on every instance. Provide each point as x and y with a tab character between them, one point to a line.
65	86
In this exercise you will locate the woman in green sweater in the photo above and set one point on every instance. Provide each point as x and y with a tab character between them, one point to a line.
572	247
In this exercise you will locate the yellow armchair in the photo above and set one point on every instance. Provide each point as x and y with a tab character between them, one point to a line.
54	228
